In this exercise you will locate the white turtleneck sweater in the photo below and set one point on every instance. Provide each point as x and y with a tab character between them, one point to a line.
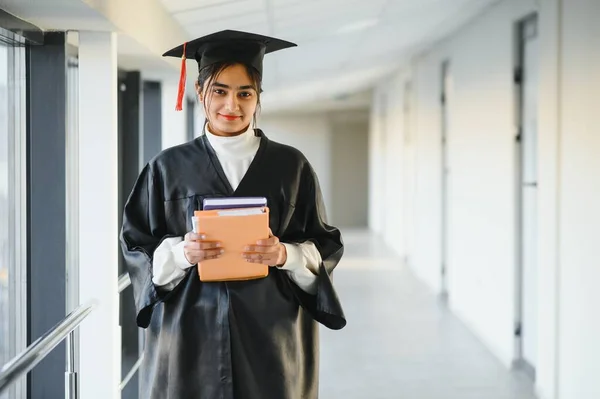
235	155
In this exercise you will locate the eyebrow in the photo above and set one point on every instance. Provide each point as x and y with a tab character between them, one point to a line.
224	86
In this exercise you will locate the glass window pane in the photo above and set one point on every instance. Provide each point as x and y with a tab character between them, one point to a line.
4	204
13	266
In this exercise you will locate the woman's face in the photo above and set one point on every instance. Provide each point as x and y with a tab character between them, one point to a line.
230	101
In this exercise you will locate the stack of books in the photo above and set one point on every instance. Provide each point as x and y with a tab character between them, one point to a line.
235	222
233	203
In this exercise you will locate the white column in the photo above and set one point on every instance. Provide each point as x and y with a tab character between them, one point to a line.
578	199
174	128
548	211
376	161
100	346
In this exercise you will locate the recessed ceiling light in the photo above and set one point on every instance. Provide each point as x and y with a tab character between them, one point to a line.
357	26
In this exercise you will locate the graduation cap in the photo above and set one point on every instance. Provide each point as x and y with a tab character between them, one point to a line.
226	45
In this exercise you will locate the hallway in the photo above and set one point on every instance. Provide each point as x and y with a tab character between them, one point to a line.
400	341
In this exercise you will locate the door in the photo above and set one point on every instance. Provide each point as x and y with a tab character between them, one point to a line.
527	82
409	176
445	119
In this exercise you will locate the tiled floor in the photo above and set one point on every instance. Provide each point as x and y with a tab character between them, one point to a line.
400	341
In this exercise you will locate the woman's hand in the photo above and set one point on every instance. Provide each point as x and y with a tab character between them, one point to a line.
266	252
197	250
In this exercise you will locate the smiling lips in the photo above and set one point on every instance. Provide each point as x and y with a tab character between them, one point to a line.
230	117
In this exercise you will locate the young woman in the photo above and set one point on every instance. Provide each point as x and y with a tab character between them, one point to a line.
255	339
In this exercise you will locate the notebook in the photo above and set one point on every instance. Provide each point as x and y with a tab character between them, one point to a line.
233	202
235	229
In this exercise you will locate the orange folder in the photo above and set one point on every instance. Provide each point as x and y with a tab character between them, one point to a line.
235	229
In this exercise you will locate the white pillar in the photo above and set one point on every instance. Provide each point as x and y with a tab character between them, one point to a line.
548	188
174	127
100	343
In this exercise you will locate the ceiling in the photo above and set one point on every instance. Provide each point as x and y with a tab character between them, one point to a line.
344	46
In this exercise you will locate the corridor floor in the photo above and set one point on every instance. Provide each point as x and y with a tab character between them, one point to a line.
401	342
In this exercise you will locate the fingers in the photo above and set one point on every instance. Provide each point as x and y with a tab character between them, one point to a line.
197	250
266	252
196	245
264	259
202	254
261	249
269	245
191	236
271	241
198	241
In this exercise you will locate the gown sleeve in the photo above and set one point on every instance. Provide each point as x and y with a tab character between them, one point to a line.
309	224
169	265
302	265
143	230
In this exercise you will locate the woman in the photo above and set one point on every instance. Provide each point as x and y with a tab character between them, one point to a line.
254	339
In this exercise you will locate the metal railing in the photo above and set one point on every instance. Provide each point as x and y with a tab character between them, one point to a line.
124	282
64	330
131	373
39	349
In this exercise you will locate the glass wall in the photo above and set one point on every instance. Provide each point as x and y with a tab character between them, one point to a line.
4	227
72	191
13	289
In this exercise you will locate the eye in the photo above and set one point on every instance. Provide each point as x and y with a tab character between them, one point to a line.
219	91
245	94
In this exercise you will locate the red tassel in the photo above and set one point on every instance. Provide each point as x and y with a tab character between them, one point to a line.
182	79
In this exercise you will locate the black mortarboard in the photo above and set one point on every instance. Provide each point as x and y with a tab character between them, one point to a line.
227	45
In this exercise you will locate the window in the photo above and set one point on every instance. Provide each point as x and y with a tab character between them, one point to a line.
4	227
13	289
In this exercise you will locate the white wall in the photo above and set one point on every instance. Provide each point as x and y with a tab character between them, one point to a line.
97	198
548	247
349	169
481	193
174	130
481	151
376	161
393	198
390	150
310	134
579	199
322	137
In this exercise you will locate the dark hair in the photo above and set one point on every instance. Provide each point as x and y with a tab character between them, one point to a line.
211	72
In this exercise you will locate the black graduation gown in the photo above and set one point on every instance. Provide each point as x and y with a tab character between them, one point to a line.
253	339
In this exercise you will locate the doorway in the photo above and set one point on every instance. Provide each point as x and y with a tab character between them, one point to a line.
445	123
526	85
